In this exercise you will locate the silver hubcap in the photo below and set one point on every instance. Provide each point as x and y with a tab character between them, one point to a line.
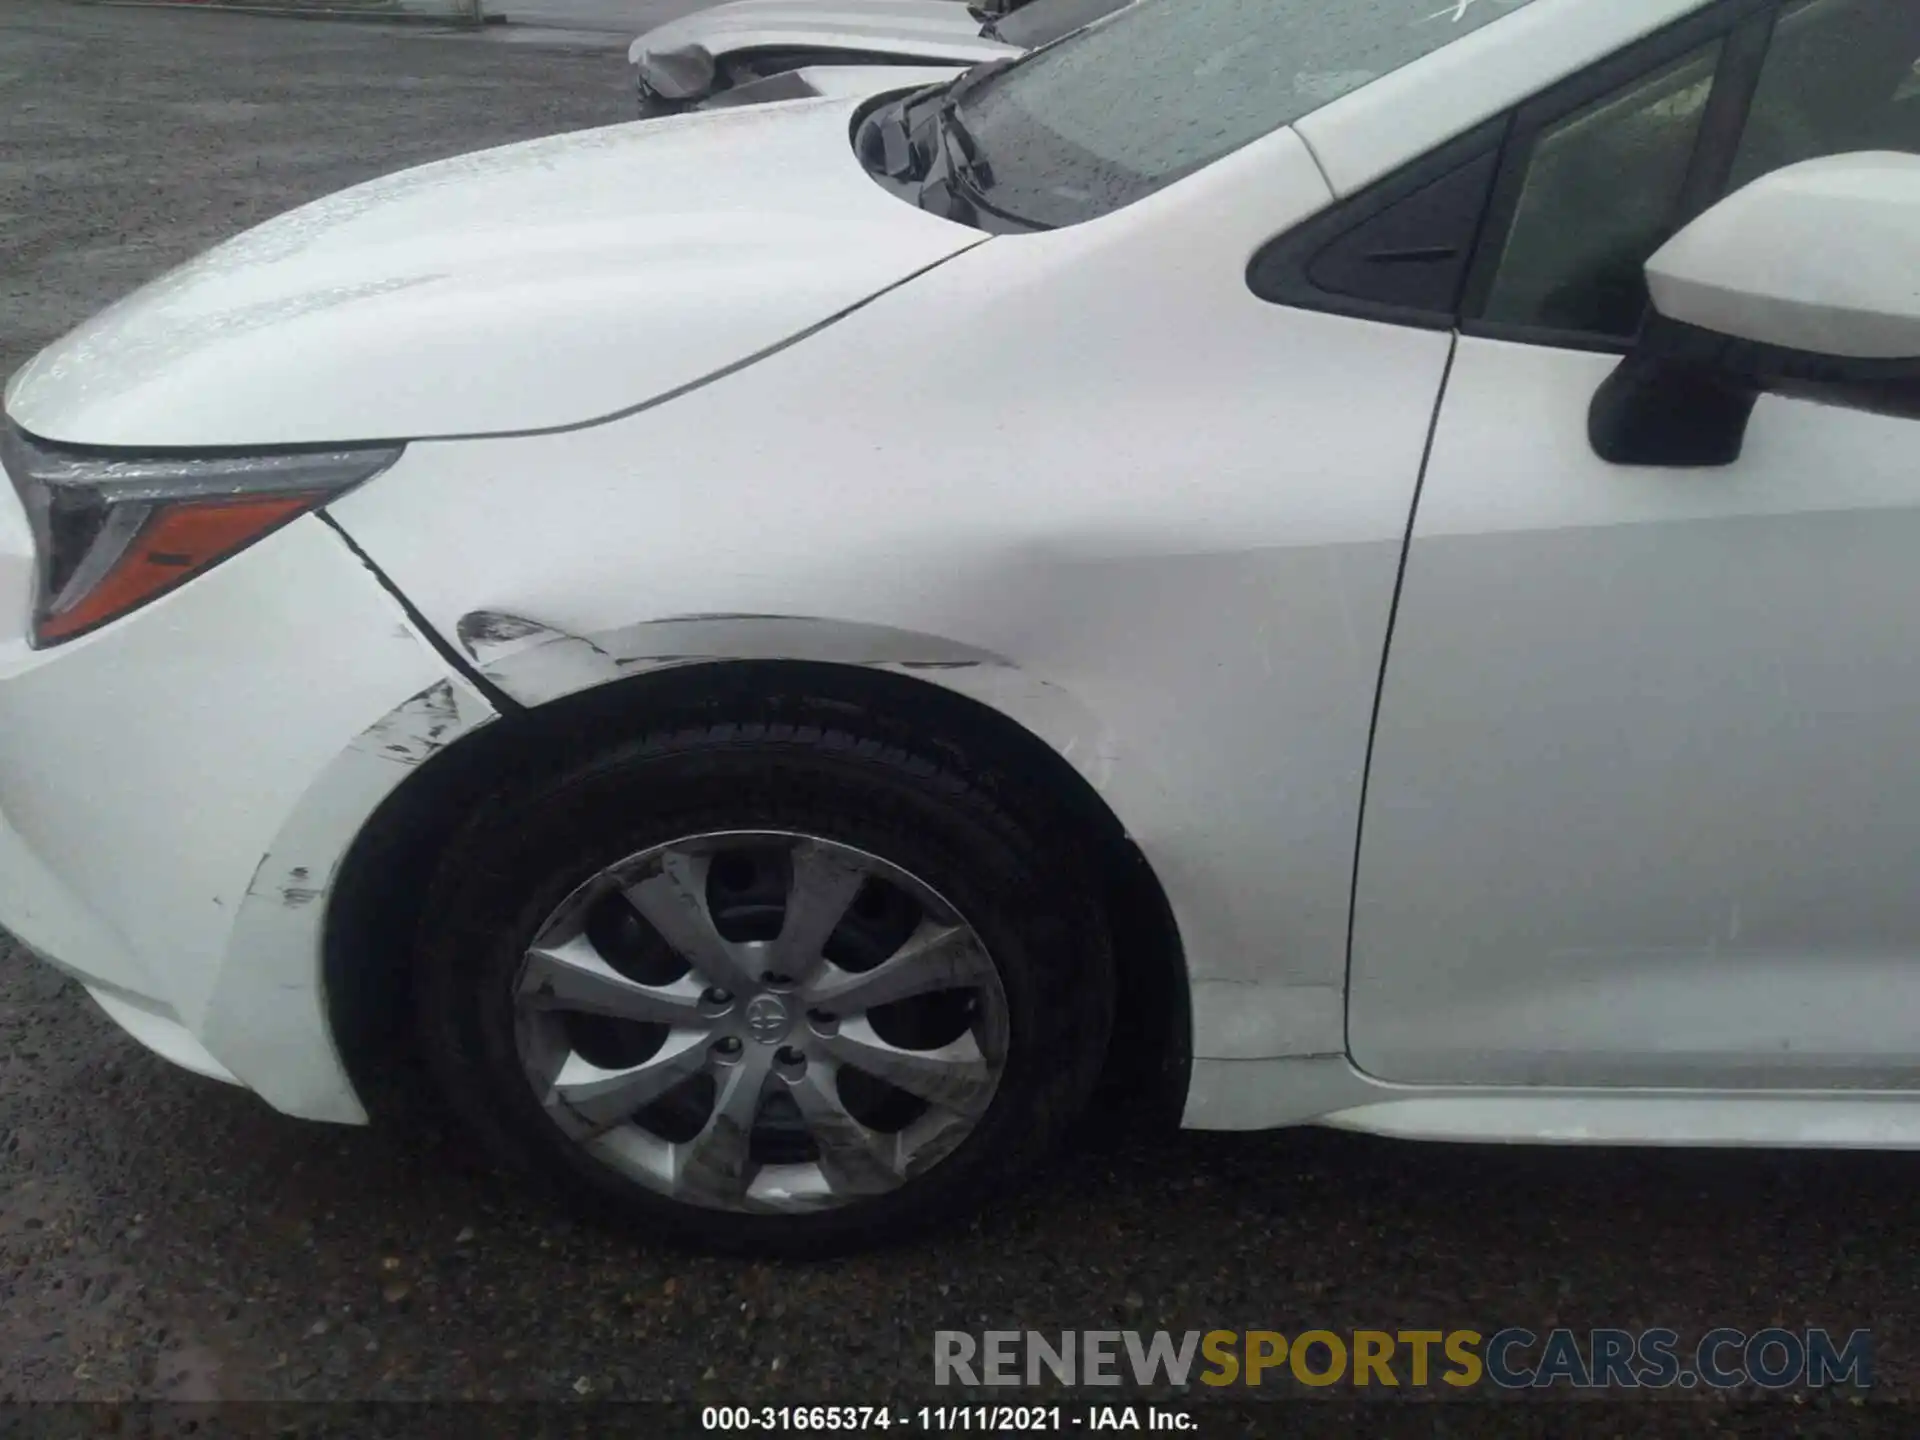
761	1021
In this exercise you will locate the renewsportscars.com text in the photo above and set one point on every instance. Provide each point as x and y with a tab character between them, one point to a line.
1511	1358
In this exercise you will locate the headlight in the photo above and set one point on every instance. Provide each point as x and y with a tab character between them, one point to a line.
115	529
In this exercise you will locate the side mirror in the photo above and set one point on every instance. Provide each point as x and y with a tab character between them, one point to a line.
1805	283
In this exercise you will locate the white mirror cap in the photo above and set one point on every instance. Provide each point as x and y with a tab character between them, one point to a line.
1822	257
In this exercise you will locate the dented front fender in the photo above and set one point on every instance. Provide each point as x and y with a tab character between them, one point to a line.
274	951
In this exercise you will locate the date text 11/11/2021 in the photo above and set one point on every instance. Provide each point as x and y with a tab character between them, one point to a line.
978	1419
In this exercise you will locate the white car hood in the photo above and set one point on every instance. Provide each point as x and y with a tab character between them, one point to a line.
939	31
535	286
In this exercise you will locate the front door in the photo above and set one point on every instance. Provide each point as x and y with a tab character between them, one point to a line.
1644	798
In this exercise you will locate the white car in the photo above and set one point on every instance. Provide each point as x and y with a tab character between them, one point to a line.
1335	565
751	51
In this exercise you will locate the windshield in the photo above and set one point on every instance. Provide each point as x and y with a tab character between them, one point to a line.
1163	87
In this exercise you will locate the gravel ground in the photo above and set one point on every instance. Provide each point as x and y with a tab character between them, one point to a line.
167	1238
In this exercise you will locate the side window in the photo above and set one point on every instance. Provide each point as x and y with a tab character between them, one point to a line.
1550	236
1841	75
1603	186
1601	190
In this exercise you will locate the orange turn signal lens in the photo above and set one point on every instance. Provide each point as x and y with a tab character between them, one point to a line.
113	529
175	543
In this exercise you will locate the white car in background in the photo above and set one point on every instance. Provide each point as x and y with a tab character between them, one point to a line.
752	51
1327	564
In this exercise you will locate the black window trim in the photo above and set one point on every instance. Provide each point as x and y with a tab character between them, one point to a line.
1732	25
1277	272
1280	270
1724	126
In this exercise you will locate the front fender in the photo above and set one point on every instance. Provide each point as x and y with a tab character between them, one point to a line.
535	664
1234	1017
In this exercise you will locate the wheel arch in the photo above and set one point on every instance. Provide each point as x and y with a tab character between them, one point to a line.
375	905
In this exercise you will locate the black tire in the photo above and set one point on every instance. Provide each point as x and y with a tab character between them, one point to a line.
1001	854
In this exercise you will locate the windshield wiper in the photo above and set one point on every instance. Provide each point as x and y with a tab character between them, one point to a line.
965	174
885	143
962	151
923	139
894	141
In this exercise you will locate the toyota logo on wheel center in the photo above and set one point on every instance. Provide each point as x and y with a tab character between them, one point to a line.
767	1019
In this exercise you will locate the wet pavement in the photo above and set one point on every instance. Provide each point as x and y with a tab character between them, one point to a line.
166	1237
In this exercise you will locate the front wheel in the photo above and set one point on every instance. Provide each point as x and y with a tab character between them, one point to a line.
770	987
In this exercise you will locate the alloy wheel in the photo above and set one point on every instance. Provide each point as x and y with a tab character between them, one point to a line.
761	1021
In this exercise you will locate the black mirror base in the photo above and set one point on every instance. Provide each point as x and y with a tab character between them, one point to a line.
1684	397
1652	411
